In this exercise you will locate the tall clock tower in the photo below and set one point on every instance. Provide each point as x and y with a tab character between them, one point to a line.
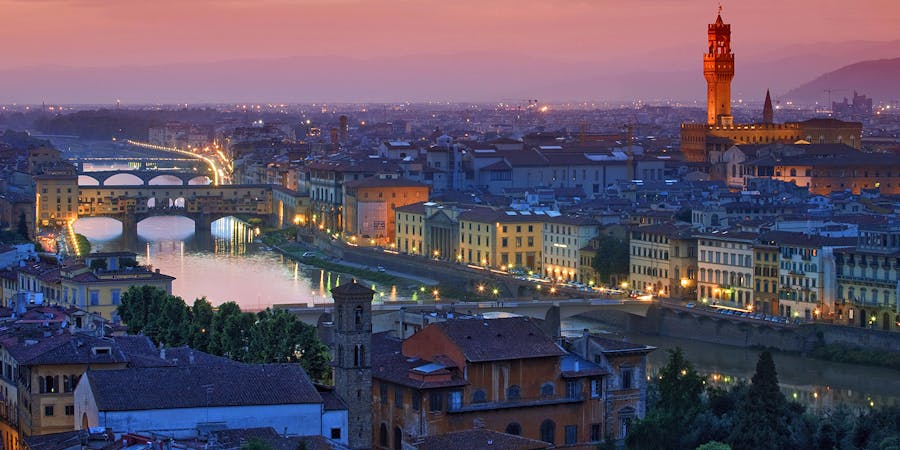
718	69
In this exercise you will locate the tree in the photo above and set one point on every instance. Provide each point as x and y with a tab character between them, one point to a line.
201	324
668	424
230	331
139	308
277	336
714	445
764	415
22	226
612	257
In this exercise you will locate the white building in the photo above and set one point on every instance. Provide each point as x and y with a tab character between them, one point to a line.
563	238
807	280
725	265
182	401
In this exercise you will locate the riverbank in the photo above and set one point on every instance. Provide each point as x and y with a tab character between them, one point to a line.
826	342
283	241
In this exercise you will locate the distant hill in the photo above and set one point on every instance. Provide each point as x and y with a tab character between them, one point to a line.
878	79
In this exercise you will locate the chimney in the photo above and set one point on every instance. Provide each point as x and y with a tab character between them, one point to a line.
162	353
191	357
586	335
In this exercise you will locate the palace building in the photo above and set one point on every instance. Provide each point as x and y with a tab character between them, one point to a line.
706	142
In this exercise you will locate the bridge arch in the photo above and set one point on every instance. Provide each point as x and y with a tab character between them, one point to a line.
168	228
200	180
99	228
87	180
123	179
165	180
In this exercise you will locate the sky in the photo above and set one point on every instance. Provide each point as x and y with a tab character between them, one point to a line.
637	33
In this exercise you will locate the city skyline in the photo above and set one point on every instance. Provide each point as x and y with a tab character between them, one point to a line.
636	50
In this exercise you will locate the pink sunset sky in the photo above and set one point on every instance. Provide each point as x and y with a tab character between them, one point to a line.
639	33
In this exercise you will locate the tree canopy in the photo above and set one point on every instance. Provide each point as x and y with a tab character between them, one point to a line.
685	413
269	336
612	257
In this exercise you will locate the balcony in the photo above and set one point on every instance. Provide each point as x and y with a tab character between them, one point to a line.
520	403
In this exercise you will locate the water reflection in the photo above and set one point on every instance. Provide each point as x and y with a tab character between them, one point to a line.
819	385
224	264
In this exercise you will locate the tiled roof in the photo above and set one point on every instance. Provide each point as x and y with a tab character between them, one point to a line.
63	348
187	387
806	240
238	438
499	339
388	363
618	346
383	182
352	289
478	439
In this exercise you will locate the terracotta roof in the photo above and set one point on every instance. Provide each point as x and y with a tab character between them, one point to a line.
619	346
187	387
389	363
383	182
63	348
478	439
413	208
238	438
499	339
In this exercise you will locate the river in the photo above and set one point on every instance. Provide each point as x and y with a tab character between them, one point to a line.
228	265
820	385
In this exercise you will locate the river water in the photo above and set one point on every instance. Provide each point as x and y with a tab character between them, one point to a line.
820	385
226	265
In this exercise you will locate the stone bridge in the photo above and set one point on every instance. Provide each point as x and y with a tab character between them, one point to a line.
203	204
541	309
147	176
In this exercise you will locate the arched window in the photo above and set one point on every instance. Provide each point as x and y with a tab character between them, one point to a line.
548	431
514	429
383	436
358	355
398	438
513	393
479	396
547	389
358	317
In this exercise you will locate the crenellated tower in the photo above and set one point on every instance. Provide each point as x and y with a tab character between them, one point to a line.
718	69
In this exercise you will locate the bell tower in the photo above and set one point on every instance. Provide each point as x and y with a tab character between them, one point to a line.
353	359
718	69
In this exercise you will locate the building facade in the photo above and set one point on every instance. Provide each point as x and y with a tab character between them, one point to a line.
499	374
725	263
563	237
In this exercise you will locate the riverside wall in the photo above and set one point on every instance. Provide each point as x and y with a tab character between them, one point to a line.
713	328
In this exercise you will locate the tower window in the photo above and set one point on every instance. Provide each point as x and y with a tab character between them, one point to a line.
357	314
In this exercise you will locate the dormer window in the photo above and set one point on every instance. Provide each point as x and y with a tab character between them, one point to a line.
101	350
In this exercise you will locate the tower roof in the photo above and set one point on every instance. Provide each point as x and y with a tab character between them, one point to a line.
353	288
719	20
768	112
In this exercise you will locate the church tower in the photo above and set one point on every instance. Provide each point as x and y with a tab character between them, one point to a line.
352	359
768	112
718	69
